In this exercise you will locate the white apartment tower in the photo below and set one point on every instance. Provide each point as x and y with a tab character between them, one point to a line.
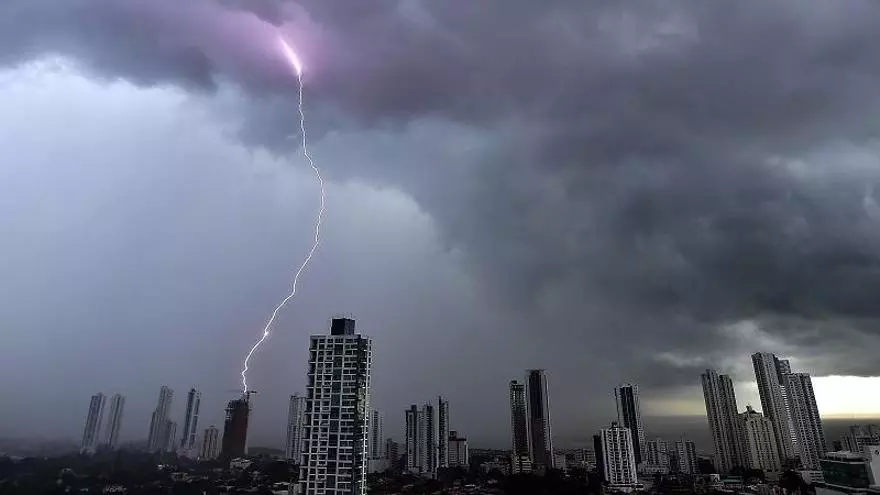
629	415
770	374
93	424
296	413
421	446
337	405
114	420
616	457
210	444
805	416
759	442
158	438
191	422
723	420
376	445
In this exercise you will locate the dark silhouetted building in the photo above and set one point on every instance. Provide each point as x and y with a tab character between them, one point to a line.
235	429
191	423
540	438
629	416
442	433
519	420
158	438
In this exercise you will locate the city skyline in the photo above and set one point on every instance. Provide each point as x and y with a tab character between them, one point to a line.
154	203
173	416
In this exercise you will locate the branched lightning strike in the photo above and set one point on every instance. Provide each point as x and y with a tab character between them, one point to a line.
297	67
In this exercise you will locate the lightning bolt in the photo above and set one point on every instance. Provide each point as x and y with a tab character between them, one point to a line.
295	63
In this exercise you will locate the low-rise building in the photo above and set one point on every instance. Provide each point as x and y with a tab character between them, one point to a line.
850	472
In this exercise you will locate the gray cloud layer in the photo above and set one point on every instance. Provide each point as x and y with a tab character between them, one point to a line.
615	174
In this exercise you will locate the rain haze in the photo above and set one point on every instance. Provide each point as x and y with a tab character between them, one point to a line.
612	191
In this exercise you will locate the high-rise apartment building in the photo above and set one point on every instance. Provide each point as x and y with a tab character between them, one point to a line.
629	415
458	451
114	420
411	440
296	414
616	458
769	373
421	444
722	413
519	421
210	444
235	428
759	442
92	429
170	432
376	444
538	404
337	405
442	433
805	416
157	440
190	422
656	456
392	451
685	455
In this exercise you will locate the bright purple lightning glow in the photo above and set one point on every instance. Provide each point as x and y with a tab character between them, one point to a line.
291	57
297	66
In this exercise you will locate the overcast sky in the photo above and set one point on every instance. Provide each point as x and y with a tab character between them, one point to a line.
613	191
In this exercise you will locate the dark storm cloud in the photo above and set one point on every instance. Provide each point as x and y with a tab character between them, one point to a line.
658	170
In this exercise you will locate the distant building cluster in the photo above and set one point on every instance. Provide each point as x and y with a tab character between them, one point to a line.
92	439
788	434
429	444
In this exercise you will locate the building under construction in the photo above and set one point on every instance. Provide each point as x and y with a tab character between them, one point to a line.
235	428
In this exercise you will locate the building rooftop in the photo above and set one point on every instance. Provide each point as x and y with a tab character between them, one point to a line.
843	455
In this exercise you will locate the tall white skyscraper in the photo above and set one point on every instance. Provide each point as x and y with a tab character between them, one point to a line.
296	414
158	438
442	433
723	420
805	416
616	458
337	404
376	445
759	442
769	373
421	444
538	406
92	429
210	444
114	420
190	422
629	415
